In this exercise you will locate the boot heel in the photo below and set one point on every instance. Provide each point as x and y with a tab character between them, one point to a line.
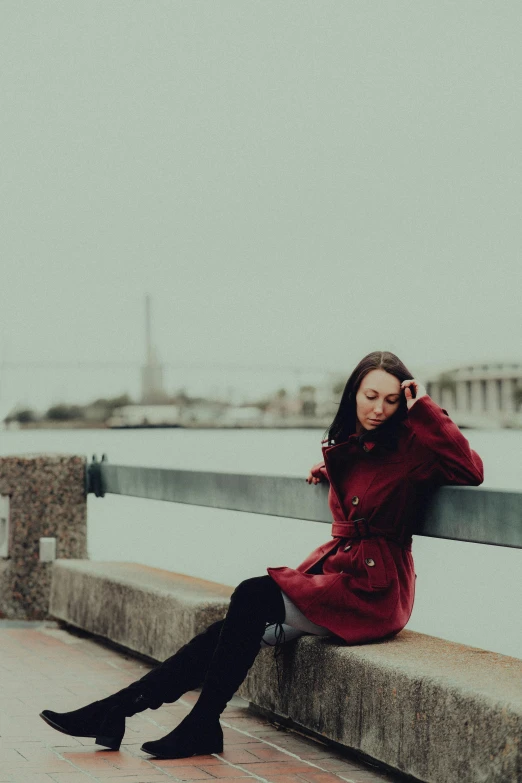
113	743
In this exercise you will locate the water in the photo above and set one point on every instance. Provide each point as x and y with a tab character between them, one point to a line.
468	593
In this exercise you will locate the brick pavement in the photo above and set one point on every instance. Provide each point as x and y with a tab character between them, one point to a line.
45	667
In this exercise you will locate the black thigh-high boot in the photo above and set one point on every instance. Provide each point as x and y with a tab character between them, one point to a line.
254	604
105	720
182	672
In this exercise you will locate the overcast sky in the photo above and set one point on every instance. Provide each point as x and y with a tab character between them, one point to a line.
295	184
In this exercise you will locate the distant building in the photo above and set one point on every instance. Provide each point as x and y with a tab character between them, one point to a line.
480	394
282	406
131	416
243	416
329	396
202	413
307	398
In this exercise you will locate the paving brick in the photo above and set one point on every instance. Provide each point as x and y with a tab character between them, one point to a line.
10	742
64	742
32	777
142	777
224	771
268	769
239	754
30	768
314	755
287	779
267	753
183	772
317	776
363	776
37	754
233	737
192	761
131	778
339	766
245	779
125	761
87	761
249	724
10	755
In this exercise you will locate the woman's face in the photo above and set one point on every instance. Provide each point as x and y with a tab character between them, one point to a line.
377	399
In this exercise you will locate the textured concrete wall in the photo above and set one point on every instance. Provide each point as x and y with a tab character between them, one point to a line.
47	498
148	610
440	711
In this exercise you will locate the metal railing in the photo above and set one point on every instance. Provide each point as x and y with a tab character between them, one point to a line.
474	514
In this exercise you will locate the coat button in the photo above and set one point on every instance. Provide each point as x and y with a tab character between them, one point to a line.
369	561
355	500
347	548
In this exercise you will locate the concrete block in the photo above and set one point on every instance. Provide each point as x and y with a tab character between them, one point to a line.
439	711
46	500
150	611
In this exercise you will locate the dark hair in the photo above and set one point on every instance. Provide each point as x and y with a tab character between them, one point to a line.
345	419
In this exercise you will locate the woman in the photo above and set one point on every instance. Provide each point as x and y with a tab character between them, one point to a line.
389	447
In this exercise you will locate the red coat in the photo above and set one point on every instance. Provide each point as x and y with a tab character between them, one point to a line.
367	585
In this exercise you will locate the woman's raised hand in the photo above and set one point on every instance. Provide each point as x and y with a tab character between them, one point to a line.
315	476
418	388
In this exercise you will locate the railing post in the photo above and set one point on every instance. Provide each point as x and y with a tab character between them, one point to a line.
46	499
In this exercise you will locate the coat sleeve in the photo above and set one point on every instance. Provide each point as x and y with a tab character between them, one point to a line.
448	456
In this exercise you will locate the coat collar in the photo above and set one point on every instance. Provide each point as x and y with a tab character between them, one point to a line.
386	436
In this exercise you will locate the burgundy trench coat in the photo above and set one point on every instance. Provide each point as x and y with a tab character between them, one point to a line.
361	584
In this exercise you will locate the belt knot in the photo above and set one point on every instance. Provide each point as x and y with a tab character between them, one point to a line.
356	528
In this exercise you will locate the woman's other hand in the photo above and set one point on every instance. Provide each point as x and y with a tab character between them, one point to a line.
315	476
419	391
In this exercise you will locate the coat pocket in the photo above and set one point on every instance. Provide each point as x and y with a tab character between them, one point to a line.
376	559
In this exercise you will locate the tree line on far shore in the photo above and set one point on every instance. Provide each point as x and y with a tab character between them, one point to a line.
97	411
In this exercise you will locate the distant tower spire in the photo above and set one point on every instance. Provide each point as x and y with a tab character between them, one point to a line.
152	371
148	332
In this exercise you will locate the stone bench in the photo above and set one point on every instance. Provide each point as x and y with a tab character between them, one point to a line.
147	610
439	711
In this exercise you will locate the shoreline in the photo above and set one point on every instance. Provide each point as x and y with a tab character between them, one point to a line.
79	425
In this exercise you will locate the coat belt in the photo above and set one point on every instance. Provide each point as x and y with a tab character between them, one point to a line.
360	528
